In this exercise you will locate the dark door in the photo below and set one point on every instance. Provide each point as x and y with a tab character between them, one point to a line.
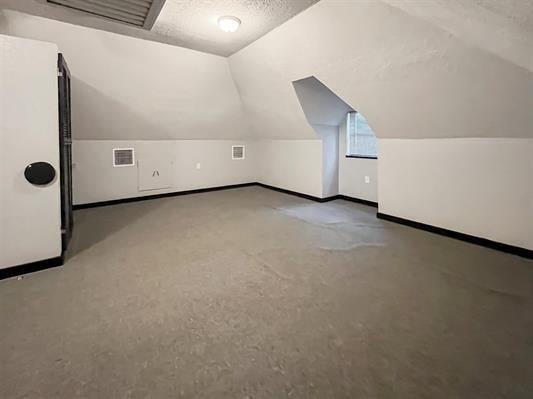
65	150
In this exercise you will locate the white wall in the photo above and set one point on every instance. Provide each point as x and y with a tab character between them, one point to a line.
330	159
30	221
129	91
320	105
408	77
412	80
125	88
134	92
352	172
481	187
323	110
95	179
291	164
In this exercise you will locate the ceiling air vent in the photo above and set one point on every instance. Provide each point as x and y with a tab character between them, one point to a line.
237	152
140	13
123	157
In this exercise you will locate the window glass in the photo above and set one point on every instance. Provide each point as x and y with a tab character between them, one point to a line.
360	137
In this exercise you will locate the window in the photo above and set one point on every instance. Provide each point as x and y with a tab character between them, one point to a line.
360	138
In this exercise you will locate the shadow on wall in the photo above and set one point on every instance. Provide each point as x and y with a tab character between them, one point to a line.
324	111
3	22
320	105
98	116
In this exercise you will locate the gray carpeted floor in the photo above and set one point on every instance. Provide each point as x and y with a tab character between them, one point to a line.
249	293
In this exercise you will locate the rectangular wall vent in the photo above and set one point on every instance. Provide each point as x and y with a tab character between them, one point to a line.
123	157
237	152
140	13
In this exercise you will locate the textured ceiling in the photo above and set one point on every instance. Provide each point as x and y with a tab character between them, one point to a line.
193	22
185	23
502	27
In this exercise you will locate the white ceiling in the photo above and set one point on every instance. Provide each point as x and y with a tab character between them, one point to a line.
502	27
185	23
193	22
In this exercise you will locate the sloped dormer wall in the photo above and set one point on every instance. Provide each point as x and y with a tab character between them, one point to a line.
450	116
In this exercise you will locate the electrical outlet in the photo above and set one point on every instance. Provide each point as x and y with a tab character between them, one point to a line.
367	179
198	165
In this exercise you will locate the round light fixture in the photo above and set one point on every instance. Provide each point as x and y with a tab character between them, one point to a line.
229	23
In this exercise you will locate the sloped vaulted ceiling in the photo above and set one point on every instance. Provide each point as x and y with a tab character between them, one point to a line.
184	23
409	77
415	69
501	27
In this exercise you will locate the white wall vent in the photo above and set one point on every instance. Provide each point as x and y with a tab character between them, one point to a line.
123	157
140	13
237	152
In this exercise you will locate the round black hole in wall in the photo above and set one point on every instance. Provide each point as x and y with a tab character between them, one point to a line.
40	173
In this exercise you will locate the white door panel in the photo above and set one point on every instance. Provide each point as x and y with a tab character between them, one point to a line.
154	174
30	220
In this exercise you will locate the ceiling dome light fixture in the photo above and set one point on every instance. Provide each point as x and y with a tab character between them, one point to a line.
229	23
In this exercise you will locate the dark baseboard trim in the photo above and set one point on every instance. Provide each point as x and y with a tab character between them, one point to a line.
156	196
357	200
58	261
484	242
54	262
205	190
295	193
361	156
30	267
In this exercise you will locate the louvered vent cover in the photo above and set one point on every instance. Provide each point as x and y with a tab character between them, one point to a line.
237	152
123	157
140	13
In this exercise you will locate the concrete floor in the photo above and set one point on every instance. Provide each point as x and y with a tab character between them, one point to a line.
249	293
